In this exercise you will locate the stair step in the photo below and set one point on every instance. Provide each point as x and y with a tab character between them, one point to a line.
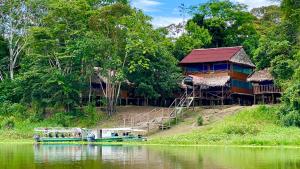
164	127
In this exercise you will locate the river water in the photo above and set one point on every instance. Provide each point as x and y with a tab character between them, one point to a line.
144	157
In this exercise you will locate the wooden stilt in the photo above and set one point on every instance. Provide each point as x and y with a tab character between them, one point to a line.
193	97
222	99
254	99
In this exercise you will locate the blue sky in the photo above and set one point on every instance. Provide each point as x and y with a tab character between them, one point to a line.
166	12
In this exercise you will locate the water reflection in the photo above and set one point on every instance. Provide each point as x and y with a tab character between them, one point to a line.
117	155
145	157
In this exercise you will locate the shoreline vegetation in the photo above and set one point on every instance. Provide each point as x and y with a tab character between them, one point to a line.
60	59
257	126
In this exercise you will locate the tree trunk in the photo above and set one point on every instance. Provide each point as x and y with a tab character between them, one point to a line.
1	77
90	89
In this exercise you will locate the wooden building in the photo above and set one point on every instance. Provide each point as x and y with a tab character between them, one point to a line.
264	89
218	75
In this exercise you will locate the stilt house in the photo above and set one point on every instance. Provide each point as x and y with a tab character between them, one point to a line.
264	89
218	75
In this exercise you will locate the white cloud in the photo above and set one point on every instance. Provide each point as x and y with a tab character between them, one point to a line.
162	21
146	5
256	3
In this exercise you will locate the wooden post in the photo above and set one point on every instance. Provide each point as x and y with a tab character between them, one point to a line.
254	99
222	99
263	98
126	101
193	97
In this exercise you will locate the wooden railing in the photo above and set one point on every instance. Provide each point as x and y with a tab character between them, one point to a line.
266	89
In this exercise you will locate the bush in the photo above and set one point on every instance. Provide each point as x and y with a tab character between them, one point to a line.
91	116
8	123
200	120
62	118
291	119
15	109
240	129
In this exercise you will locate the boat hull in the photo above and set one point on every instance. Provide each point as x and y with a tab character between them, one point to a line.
55	140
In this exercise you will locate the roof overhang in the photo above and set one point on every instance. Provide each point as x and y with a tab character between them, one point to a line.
213	81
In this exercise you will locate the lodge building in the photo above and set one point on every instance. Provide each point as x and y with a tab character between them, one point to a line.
214	76
219	76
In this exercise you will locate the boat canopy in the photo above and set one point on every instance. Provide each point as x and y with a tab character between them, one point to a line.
58	129
123	129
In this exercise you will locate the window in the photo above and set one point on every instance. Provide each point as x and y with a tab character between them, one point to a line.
242	69
220	67
197	68
241	84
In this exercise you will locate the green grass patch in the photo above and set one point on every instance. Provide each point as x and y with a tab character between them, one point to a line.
252	126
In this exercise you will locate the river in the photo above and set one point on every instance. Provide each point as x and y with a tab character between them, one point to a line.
27	156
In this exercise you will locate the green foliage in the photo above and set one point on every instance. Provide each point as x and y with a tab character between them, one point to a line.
292	118
241	129
15	109
268	50
282	68
195	37
8	123
290	111
199	120
229	24
62	119
251	126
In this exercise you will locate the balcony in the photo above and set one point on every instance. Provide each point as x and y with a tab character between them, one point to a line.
263	89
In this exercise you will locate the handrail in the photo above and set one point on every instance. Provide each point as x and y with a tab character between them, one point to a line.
162	112
266	89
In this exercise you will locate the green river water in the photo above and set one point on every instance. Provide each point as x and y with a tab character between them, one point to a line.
144	157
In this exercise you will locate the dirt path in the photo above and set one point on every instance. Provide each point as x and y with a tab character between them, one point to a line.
126	112
210	115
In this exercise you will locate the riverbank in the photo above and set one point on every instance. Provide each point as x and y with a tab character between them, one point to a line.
251	126
255	126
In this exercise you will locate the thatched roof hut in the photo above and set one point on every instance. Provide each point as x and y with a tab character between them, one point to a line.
260	76
206	82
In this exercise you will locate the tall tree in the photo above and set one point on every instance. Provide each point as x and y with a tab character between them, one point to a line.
3	57
14	22
229	24
195	36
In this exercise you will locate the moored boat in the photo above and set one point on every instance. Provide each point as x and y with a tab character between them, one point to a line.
116	135
59	134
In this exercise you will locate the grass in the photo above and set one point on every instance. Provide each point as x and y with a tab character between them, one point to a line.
23	129
253	126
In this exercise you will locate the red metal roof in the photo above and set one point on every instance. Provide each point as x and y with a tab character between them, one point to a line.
211	55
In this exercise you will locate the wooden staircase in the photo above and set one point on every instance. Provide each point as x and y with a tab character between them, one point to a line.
162	118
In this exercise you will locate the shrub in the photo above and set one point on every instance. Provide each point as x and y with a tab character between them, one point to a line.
90	110
62	118
291	119
8	122
199	120
16	109
240	129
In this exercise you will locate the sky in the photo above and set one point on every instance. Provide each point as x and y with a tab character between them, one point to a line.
166	12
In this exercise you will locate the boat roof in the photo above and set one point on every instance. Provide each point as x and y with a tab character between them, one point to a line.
57	129
70	130
123	129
